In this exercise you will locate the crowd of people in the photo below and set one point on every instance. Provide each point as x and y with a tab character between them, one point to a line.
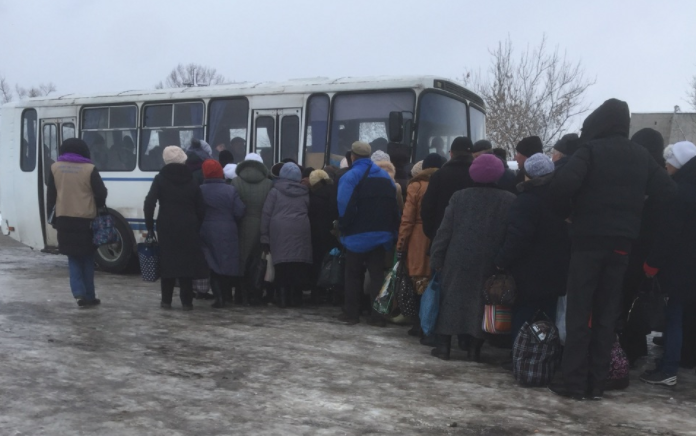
593	222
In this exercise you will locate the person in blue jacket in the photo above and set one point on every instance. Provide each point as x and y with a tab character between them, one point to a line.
369	223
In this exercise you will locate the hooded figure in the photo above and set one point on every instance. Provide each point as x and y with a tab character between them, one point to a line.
74	192
223	210
253	185
471	232
608	179
285	231
179	220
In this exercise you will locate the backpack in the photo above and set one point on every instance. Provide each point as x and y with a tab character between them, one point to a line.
619	370
536	353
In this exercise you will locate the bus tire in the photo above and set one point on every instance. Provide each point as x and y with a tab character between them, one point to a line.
117	257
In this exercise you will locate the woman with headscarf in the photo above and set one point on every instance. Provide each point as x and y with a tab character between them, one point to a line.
252	185
76	191
412	245
323	211
181	213
472	229
223	209
286	234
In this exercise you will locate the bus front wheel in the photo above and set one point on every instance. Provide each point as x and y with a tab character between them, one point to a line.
117	257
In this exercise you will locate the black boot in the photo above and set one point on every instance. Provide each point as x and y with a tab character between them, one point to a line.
238	294
283	296
442	348
217	292
474	352
464	342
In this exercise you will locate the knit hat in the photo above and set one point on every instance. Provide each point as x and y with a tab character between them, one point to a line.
275	169
317	176
254	156
538	165
482	145
680	153
291	171
417	168
174	154
360	148
212	169
529	146
652	141
379	155
433	160
486	168
230	171
462	143
568	144
76	146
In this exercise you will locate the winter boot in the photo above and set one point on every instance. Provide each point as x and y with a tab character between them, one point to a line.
442	348
464	342
217	292
283	294
474	352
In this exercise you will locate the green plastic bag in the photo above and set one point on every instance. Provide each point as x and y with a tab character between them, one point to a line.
385	303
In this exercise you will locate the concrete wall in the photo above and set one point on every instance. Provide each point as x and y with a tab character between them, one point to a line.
673	127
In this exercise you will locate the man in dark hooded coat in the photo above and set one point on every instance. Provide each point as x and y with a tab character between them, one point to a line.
608	179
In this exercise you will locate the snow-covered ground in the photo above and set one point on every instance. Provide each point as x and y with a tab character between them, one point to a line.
129	368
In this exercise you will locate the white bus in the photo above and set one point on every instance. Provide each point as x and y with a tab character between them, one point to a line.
313	121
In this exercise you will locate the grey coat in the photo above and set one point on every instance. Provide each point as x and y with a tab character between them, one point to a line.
471	232
285	223
223	208
252	185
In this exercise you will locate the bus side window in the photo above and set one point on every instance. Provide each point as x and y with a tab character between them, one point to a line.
227	127
110	134
165	125
27	161
316	129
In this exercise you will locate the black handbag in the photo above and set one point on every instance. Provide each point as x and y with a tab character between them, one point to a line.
256	271
647	312
500	289
332	270
405	291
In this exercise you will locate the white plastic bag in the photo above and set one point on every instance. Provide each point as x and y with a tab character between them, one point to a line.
270	270
561	308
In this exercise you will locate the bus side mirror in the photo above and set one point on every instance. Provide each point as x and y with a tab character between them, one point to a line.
396	127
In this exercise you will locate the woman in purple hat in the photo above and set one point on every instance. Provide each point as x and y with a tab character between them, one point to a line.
462	252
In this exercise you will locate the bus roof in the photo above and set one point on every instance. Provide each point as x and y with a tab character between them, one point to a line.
308	85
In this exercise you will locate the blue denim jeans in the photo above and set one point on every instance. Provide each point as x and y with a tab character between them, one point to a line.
673	337
82	276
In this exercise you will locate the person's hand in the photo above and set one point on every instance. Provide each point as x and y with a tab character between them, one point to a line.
266	248
400	255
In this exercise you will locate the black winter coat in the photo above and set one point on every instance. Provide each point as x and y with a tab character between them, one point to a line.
608	179
536	250
674	251
322	213
452	177
181	213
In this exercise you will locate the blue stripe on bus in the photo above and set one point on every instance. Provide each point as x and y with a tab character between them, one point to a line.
136	220
137	226
127	179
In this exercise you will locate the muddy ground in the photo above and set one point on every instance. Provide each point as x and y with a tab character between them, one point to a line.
130	368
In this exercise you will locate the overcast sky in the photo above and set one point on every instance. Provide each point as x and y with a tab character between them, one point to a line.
643	52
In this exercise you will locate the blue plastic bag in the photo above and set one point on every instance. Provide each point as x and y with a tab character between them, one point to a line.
430	305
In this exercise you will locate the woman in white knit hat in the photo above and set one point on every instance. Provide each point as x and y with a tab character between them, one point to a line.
181	212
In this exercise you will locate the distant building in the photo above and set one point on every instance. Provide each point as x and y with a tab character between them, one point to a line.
674	127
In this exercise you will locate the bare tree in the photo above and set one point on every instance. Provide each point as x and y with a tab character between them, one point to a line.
191	75
5	91
536	94
35	91
692	93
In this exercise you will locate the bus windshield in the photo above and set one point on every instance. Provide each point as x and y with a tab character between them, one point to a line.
364	117
440	120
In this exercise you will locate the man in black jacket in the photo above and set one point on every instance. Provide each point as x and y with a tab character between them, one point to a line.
524	149
452	177
608	179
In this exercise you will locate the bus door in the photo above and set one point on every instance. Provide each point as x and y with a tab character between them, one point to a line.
277	135
53	132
